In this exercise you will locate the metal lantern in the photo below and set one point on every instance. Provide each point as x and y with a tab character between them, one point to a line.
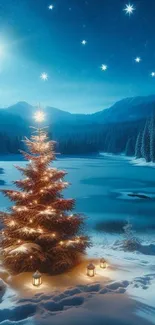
103	263
91	270
36	279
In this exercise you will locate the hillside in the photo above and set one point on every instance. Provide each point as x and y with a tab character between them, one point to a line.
108	130
129	109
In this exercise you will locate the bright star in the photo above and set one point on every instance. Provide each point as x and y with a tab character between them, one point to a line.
39	116
50	7
153	74
138	59
129	9
84	42
44	76
104	67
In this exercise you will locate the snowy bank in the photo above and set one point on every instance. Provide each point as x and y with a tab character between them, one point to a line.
74	298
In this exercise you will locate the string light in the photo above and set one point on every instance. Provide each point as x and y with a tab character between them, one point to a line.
61	242
40	230
12	223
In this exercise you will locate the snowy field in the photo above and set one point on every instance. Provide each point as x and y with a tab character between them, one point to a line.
124	293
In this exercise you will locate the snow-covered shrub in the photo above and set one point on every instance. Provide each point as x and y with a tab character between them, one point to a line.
130	241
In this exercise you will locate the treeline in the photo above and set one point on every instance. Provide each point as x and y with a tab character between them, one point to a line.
145	142
135	138
10	144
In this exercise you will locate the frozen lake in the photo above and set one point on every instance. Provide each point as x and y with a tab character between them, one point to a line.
101	185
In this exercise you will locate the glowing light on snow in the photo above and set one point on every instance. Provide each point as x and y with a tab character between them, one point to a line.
84	42
50	7
129	9
152	74
138	59
104	67
44	76
39	116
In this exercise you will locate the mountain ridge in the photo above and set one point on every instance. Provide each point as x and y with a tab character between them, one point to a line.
127	109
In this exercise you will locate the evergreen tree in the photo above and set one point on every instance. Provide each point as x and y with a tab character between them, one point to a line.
130	241
138	146
129	150
146	142
39	231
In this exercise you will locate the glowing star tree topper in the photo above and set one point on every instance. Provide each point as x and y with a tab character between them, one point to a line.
39	116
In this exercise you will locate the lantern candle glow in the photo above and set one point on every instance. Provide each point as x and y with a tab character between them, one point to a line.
36	279
91	270
103	263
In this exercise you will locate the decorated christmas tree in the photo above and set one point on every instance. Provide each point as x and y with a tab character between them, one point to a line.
39	230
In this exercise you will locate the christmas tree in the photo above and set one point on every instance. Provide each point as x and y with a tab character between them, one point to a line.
39	230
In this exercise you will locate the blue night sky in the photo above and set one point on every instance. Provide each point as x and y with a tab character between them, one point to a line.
35	39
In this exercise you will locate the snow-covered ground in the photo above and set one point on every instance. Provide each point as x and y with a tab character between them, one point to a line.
123	294
142	162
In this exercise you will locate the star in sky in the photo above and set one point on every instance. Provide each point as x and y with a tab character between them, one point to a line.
84	42
138	59
153	74
129	9
50	7
104	67
44	76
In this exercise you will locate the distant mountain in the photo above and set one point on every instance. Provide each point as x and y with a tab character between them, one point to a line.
116	129
129	109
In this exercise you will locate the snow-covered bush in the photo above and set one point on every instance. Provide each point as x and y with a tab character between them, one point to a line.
130	241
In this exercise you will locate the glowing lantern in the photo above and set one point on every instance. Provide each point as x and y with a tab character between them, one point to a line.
103	263
91	270
36	279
